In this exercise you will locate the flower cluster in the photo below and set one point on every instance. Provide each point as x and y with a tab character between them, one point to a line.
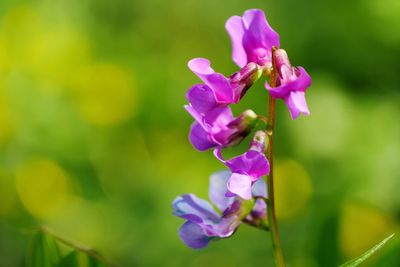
240	193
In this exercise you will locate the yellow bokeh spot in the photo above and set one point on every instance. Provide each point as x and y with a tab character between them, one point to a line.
20	25
361	227
54	54
51	51
42	186
104	94
293	189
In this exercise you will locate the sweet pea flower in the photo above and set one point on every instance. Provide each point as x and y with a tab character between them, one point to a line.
292	84
204	223
226	90
258	215
252	38
215	125
247	168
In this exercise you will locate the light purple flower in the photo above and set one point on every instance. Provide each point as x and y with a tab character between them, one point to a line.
292	84
204	223
214	123
247	168
226	90
252	38
258	214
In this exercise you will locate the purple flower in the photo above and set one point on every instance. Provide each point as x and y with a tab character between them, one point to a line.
292	84
247	168
258	215
214	123
226	90
252	38
204	223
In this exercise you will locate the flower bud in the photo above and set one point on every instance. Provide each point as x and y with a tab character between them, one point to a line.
242	80
259	142
243	125
282	64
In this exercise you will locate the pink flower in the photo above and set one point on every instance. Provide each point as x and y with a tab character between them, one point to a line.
292	84
252	38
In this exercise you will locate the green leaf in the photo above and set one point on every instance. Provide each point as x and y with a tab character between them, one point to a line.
367	254
80	259
44	251
70	260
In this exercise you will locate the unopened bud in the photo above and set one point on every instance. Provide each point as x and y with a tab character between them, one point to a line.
259	142
248	74
282	64
245	121
242	80
243	125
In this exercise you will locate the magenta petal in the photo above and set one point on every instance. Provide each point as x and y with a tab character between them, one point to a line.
218	155
218	188
235	29
193	235
303	80
216	81
199	138
196	115
301	83
219	117
240	185
297	104
259	37
253	163
201	98
259	30
259	164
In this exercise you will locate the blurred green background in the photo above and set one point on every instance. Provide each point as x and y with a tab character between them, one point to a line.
93	134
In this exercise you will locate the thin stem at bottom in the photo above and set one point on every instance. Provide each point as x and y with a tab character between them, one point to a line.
273	225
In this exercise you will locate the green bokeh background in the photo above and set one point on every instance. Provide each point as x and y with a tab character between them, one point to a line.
93	134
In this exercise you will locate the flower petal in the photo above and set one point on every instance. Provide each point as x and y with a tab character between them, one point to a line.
199	138
201	98
259	189
259	164
259	37
235	29
259	209
218	155
218	188
302	82
196	115
259	29
193	235
219	117
240	185
216	81
297	104
194	209
227	226
253	163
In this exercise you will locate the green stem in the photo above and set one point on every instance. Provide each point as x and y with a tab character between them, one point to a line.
273	225
84	249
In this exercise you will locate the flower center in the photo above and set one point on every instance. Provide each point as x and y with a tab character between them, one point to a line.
261	56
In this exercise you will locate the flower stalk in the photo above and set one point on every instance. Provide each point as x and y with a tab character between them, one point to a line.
271	213
256	50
